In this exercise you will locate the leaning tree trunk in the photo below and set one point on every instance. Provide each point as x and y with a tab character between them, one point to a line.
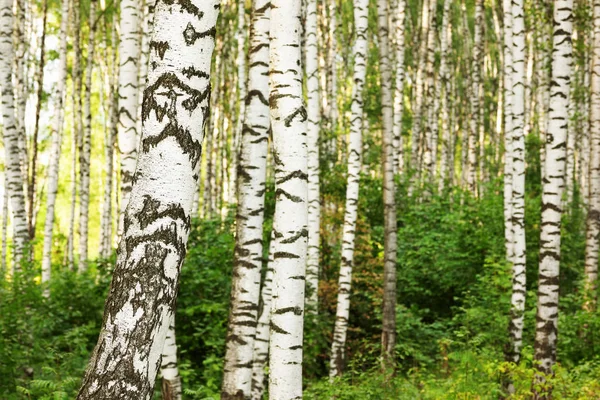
129	54
171	380
157	220
261	341
360	50
85	150
252	167
388	335
288	121
553	187
593	217
312	139
59	98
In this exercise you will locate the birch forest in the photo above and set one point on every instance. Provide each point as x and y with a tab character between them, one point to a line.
288	199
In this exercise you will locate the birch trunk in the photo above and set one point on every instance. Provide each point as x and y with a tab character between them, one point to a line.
475	98
14	177
85	151
398	19
245	291
312	139
57	126
388	336
446	37
553	187
129	54
171	381
360	50
518	257
428	162
288	120
32	187
142	297
508	104
593	217
5	199
261	342
77	125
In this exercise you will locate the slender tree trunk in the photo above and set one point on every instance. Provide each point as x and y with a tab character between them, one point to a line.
242	90
288	121
360	50
593	217
446	38
508	104
553	187
518	256
57	126
32	187
106	228
5	199
475	98
171	381
261	342
388	336
141	300
21	91
85	150
129	54
145	34
428	163
77	125
245	291
314	114
398	19
14	177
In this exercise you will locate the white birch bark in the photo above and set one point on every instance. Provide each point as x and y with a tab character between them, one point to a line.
129	54
513	352
261	342
171	380
593	217
399	21
388	336
288	121
553	188
245	290
57	127
444	81
312	139
508	104
242	90
475	98
145	34
428	163
141	300
14	177
76	131
5	199
86	146
360	49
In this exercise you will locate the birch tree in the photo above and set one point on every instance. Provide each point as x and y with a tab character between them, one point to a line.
593	216
508	104
398	18
245	290
14	177
314	114
553	188
57	126
518	256
129	54
360	49
142	296
171	381
388	336
288	121
84	154
475	98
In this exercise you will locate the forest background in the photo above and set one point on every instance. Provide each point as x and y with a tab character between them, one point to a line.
453	280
